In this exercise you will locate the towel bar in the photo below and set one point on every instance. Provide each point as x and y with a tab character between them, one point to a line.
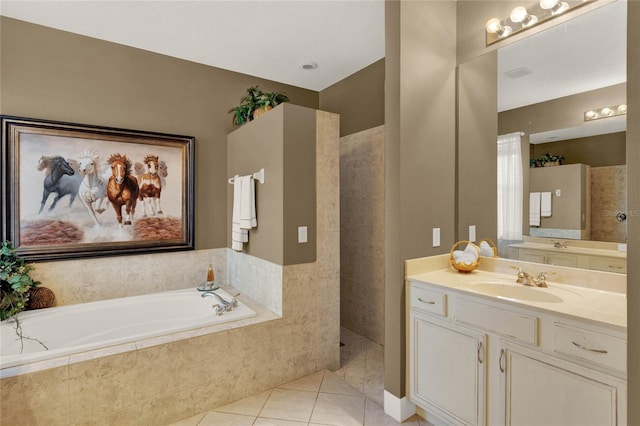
259	176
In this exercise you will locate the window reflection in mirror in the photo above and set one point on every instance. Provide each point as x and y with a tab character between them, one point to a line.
573	202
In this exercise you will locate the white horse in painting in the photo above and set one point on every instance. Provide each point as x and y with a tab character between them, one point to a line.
93	189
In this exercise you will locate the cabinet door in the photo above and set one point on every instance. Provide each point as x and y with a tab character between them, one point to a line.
538	393
532	256
448	371
561	260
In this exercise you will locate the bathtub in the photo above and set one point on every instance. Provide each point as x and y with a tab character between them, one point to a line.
74	329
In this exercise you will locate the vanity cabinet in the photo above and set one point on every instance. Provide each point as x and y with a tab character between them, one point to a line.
585	261
476	360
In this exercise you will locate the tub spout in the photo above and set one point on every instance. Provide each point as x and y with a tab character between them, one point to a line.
225	303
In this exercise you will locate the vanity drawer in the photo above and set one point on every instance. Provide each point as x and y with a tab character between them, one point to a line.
591	346
506	323
608	264
427	300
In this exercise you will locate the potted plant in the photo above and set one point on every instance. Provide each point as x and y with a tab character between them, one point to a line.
15	282
546	160
255	103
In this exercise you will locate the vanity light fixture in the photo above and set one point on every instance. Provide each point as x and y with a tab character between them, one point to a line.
522	18
605	112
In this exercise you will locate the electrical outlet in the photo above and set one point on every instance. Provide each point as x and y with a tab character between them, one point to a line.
436	237
472	233
302	234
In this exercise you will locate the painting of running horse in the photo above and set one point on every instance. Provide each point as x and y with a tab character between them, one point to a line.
122	188
129	203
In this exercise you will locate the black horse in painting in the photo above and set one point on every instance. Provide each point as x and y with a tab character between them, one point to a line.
57	168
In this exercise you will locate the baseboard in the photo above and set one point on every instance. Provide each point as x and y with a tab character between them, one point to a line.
400	409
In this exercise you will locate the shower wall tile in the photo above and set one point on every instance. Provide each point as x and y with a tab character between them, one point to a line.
608	198
362	237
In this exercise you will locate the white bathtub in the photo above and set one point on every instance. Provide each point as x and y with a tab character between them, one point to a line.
73	329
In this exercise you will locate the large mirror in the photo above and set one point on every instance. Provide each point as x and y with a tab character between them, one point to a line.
574	200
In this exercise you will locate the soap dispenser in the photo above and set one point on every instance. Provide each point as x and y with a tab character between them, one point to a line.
210	277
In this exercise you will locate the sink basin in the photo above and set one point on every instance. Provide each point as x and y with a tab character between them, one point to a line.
516	291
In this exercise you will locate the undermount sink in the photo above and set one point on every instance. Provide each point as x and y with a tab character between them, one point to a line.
516	291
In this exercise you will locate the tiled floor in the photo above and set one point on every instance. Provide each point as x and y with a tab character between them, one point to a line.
352	395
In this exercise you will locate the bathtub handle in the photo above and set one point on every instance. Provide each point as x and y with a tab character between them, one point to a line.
218	308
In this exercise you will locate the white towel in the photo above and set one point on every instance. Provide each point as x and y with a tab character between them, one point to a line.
238	236
534	209
545	204
244	211
248	203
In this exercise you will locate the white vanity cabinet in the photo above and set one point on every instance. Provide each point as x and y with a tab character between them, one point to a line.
563	257
476	360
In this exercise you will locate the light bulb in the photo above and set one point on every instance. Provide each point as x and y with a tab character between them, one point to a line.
622	109
548	4
518	14
590	115
606	111
494	26
556	6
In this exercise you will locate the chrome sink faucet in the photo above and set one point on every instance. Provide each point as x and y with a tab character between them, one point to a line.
558	244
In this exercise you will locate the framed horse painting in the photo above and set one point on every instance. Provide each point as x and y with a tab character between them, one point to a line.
72	190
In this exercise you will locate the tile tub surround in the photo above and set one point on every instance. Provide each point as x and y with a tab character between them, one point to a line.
171	381
257	278
89	280
362	232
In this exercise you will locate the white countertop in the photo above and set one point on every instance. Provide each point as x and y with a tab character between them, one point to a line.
594	305
572	249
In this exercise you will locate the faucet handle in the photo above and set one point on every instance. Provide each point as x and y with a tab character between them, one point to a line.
541	279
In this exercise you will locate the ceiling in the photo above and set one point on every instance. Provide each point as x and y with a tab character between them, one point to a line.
263	38
272	39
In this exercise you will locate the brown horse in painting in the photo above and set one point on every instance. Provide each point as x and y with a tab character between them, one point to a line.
122	189
151	185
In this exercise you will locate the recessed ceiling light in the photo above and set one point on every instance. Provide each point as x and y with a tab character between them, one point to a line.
309	66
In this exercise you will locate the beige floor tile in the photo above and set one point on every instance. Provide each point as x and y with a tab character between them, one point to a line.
261	421
339	410
214	418
250	406
287	404
310	383
333	384
191	421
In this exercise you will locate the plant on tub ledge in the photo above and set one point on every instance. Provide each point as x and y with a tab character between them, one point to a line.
255	103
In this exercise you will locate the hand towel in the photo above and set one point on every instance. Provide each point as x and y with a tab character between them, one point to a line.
545	204
248	203
238	235
534	209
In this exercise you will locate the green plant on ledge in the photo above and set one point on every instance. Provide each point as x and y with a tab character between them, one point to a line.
254	103
549	158
15	282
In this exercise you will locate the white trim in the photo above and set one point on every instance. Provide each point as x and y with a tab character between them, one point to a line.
400	409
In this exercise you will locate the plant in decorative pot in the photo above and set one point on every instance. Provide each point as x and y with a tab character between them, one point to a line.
255	103
16	285
546	160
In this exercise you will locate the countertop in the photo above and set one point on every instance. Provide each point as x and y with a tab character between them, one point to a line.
572	249
593	305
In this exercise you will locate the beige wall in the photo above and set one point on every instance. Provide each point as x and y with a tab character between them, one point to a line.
477	147
561	113
596	151
55	75
419	155
362	233
569	209
633	202
282	143
359	99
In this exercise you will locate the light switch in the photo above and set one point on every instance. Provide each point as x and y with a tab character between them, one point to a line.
558	192
436	237
302	234
472	233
